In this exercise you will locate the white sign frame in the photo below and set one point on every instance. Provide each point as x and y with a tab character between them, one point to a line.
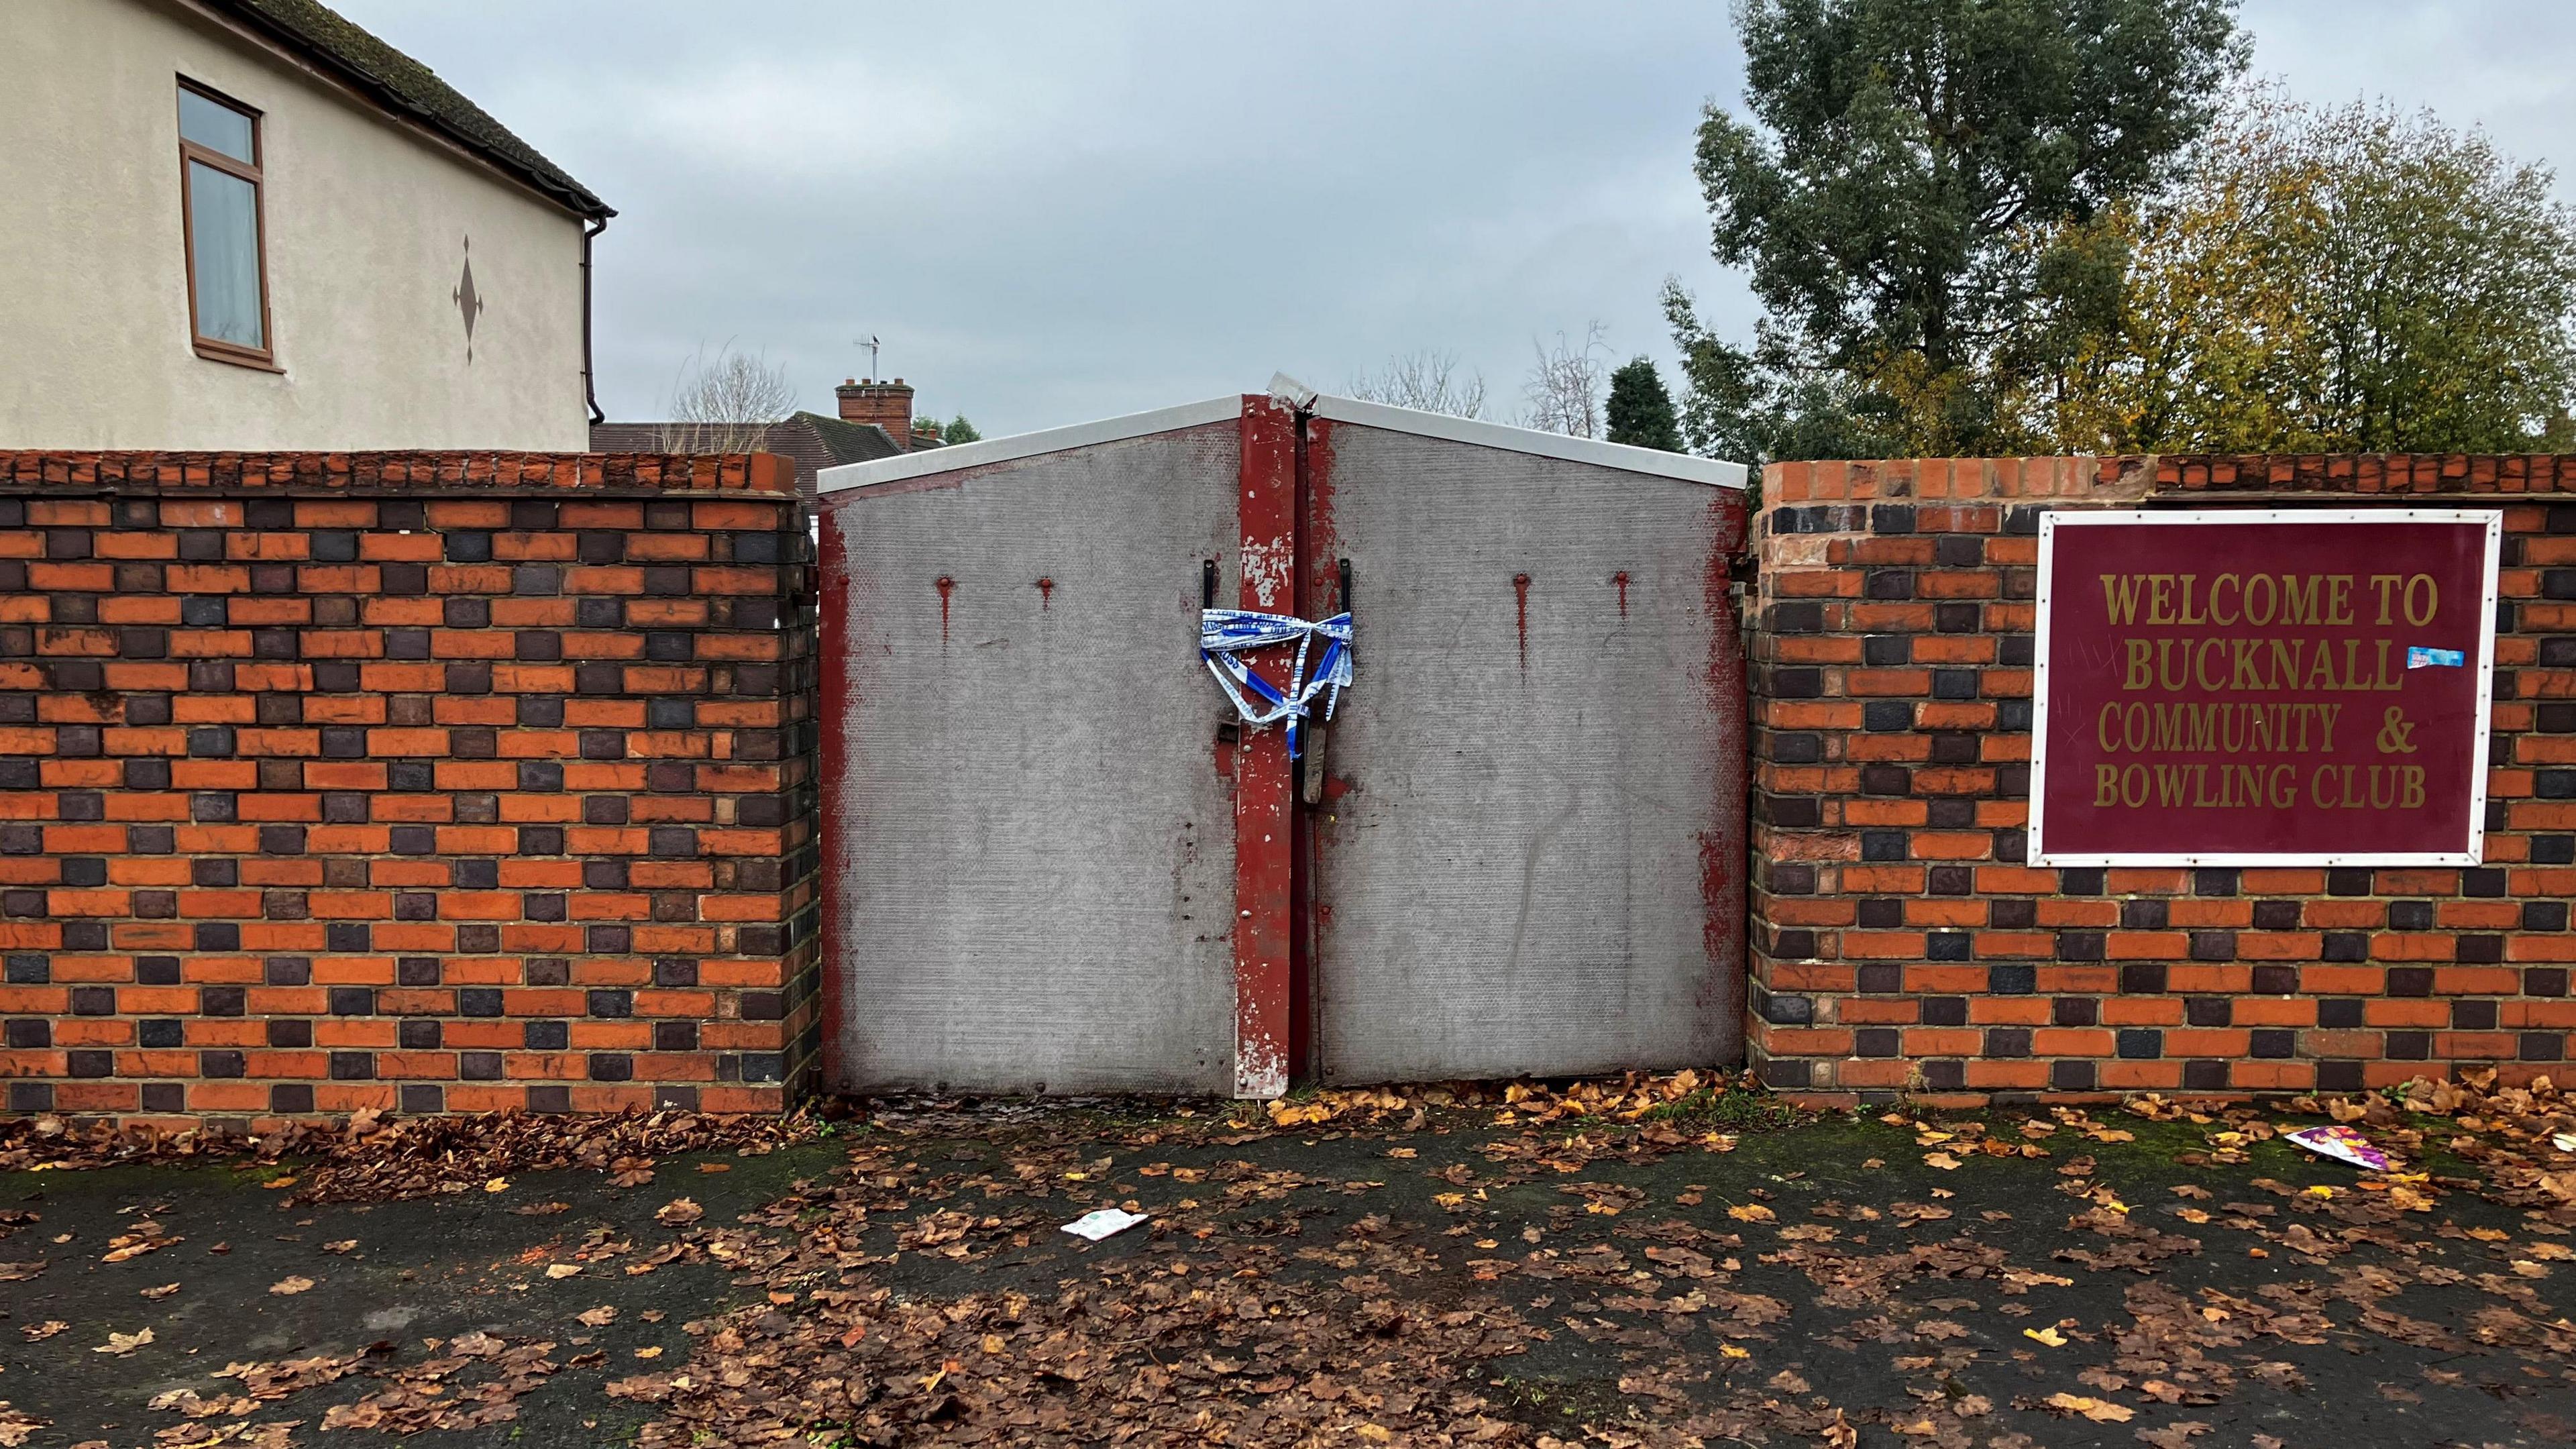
2491	519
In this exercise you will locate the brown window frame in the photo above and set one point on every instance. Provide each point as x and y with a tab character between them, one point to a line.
254	171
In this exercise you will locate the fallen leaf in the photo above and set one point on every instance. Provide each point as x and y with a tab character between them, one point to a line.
1752	1212
121	1344
2100	1411
679	1210
342	1246
599	1317
164	1291
653	1352
293	1283
1941	1160
38	1332
2049	1336
562	1270
498	1184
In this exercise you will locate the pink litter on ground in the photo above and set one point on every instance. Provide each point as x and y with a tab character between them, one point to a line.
2342	1144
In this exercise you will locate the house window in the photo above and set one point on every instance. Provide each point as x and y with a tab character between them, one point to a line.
227	265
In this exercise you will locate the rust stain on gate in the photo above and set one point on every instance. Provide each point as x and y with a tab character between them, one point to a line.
1264	786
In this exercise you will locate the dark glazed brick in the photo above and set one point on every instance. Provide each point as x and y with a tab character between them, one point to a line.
1788	1010
2141	1044
2276	915
2276	980
2410	981
1945	1011
1881	978
1777	1073
1876	1041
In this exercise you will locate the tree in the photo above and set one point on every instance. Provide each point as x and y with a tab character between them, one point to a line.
1565	385
1425	380
959	431
1641	412
1900	155
2328	280
724	404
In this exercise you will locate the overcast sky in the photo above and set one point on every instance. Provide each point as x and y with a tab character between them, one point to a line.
1057	212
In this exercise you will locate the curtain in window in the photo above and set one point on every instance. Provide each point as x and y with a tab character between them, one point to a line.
223	230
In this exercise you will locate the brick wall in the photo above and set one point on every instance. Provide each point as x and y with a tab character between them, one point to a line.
430	781
1900	942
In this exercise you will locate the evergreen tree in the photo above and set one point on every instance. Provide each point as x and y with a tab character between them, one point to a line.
1641	411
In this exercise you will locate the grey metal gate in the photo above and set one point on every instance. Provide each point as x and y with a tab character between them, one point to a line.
1053	862
1532	859
1029	859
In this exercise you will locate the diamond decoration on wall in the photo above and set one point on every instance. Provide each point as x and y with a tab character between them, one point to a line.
469	303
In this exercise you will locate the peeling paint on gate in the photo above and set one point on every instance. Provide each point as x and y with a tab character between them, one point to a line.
947	588
1264	780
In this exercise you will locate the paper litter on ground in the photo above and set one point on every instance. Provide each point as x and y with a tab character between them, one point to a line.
2340	1143
1101	1222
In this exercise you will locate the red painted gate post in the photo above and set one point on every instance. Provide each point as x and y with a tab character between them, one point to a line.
1264	785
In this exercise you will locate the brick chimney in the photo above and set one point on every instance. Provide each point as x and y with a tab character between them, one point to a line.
925	433
886	404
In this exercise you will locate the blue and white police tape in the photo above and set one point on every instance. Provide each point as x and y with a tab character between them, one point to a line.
1224	631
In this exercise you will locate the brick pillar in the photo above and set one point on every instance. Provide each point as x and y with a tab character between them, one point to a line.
1902	944
417	781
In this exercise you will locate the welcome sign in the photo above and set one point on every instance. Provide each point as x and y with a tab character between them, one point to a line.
2287	687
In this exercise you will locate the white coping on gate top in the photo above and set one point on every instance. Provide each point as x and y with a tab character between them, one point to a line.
1338	409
